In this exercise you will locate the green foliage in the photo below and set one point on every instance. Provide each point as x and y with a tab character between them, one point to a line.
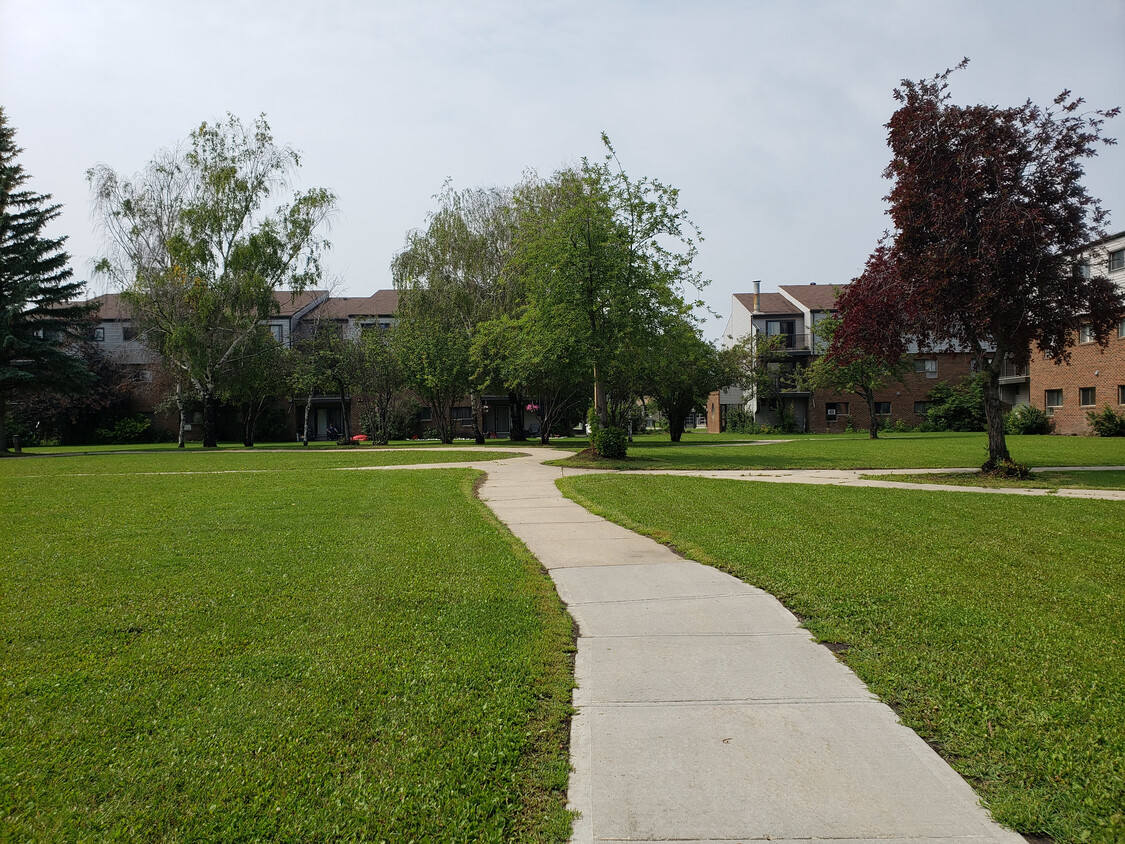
741	421
38	316
959	407
131	429
682	370
234	654
610	443
1106	423
198	258
1010	470
1027	419
1009	662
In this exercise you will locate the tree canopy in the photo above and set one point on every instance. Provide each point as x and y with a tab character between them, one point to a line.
39	314
197	254
990	221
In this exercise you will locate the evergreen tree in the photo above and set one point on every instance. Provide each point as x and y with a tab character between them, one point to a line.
38	313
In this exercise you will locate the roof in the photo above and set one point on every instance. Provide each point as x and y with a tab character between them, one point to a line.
380	303
815	297
110	307
293	303
769	303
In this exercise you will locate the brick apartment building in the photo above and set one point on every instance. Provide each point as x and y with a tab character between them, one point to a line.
1094	377
793	313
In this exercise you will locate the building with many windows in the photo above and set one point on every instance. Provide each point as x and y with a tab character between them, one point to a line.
793	314
1095	376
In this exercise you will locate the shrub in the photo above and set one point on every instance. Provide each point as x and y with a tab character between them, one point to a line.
126	431
740	421
957	408
1106	423
610	443
1009	469
1027	419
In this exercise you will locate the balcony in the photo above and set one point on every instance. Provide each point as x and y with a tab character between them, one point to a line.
1012	373
796	343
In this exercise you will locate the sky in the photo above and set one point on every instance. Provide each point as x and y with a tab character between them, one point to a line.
769	117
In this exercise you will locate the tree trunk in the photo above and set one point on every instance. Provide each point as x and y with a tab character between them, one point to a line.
248	421
600	404
181	437
873	428
209	438
676	426
476	405
305	428
994	414
345	416
515	413
3	428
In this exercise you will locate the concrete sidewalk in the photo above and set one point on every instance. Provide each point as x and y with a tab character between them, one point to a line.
704	712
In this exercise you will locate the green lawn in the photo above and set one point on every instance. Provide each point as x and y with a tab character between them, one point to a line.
292	654
994	624
856	451
1108	479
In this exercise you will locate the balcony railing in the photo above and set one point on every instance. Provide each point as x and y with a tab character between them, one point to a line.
794	342
1011	370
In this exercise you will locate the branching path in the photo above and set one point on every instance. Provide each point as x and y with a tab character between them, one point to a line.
704	712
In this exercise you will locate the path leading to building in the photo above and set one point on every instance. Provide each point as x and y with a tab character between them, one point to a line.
704	712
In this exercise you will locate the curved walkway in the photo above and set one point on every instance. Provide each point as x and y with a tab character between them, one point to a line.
704	712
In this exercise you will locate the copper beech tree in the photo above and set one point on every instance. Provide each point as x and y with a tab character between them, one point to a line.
986	253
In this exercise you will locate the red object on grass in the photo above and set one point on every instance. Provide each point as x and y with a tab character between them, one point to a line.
358	438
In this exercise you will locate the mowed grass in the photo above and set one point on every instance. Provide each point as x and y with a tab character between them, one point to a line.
994	624
287	655
1107	479
223	462
856	451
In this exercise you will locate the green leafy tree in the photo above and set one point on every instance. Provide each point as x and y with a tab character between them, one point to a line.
763	369
449	280
196	253
379	382
682	370
38	310
852	370
257	379
617	253
310	361
990	221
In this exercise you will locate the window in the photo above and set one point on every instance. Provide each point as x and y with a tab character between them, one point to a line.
425	415
1051	400
1121	394
882	408
1117	260
463	416
926	365
98	335
128	332
1121	330
1084	269
1087	396
278	332
1086	333
786	328
143	376
921	407
835	409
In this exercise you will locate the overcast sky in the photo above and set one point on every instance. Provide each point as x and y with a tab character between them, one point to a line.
769	117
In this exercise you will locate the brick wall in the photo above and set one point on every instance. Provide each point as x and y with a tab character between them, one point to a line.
902	397
1090	367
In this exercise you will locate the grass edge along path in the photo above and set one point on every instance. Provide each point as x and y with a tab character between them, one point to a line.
303	655
994	626
1040	479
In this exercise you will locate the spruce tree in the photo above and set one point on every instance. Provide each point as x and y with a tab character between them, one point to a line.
39	311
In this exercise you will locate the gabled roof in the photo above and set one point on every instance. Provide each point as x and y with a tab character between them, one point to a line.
769	303
815	297
110	307
381	303
292	304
